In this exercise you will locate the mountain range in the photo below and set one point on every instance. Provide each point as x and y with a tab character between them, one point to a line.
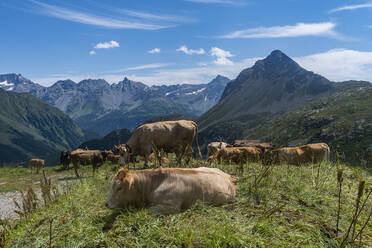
100	107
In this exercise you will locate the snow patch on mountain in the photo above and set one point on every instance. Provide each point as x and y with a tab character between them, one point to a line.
6	84
195	92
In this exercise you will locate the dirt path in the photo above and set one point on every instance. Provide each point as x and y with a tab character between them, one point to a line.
7	205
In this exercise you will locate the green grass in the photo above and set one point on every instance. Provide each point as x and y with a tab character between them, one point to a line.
289	207
19	178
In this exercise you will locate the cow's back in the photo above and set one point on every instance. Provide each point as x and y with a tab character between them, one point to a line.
316	152
290	155
167	135
186	186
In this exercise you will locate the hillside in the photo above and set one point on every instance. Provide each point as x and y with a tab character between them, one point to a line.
343	120
31	128
116	137
275	206
100	107
272	85
261	95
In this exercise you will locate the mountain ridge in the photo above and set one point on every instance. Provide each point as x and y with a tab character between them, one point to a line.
93	103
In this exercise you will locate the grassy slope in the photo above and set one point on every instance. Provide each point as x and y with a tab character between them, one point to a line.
32	128
19	178
292	207
342	120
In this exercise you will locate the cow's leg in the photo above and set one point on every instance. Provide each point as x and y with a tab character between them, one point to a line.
76	165
160	157
146	161
188	158
178	157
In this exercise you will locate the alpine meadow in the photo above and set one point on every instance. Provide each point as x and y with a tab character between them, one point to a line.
185	123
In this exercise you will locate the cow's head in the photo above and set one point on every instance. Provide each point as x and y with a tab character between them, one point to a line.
105	154
125	153
122	190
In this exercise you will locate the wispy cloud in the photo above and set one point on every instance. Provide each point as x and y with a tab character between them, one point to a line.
185	50
107	45
92	52
232	2
221	56
159	17
155	50
352	7
300	29
91	19
141	67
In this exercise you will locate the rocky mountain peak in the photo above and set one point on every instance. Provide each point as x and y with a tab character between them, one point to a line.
65	84
220	80
277	63
274	84
93	84
130	84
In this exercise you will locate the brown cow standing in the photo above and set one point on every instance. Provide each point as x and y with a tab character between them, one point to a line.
169	136
36	164
237	155
310	153
85	157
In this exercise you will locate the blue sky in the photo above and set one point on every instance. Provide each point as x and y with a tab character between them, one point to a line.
181	41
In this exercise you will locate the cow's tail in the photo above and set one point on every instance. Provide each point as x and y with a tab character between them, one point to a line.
196	140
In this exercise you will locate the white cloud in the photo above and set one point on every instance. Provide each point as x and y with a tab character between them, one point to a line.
339	64
300	29
219	1
107	45
91	19
141	67
92	52
190	51
202	64
221	56
352	7
155	50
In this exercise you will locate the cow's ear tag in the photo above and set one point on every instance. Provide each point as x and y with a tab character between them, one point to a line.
122	174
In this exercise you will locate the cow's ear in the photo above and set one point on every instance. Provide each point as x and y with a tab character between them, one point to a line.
122	173
129	180
128	148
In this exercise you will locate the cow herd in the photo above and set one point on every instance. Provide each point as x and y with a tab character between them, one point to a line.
169	190
254	151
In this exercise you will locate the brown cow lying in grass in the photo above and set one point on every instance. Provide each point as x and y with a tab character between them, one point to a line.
237	155
170	190
310	153
36	164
